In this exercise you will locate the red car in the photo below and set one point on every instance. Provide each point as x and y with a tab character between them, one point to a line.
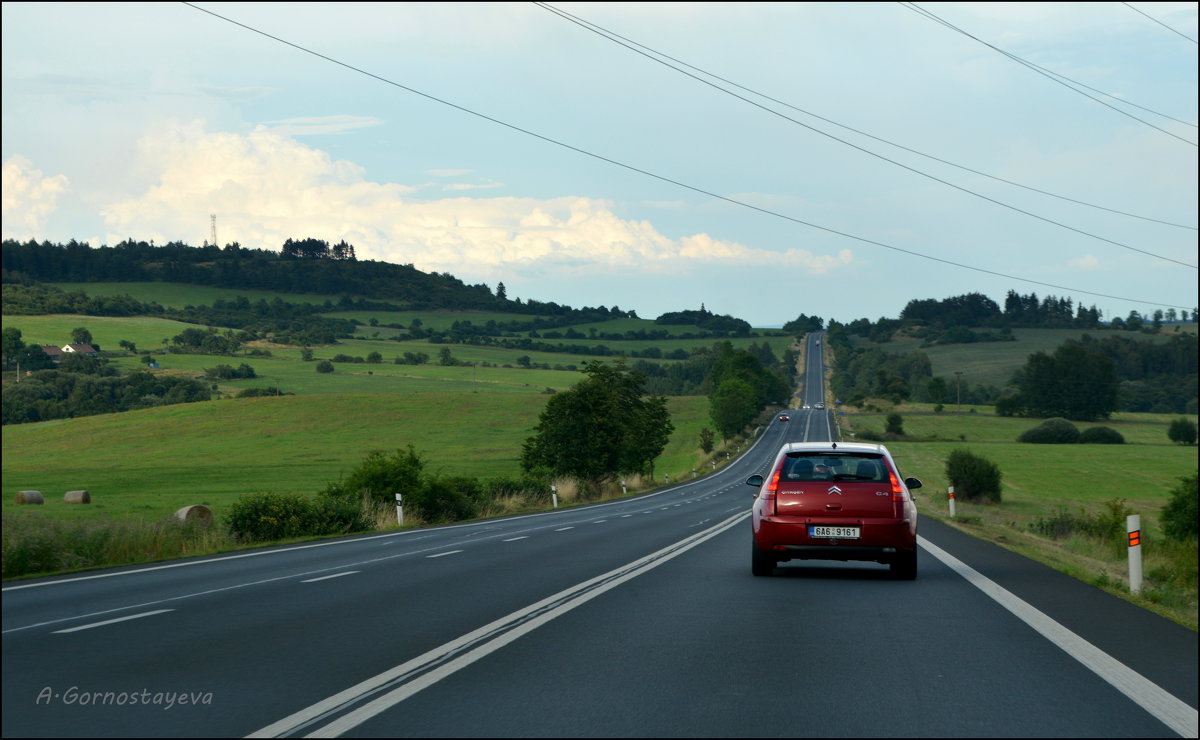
835	501
784	417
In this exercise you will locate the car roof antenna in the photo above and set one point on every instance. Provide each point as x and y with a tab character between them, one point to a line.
835	445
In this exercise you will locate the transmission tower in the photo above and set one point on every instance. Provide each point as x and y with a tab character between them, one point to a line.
212	238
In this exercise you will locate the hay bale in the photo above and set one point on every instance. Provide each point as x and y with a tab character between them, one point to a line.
194	513
30	497
77	497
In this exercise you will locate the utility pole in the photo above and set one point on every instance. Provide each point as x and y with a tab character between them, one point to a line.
958	388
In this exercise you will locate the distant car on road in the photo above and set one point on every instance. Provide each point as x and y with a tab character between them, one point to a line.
820	405
834	501
784	417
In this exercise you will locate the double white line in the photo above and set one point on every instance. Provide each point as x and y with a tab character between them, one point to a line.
397	684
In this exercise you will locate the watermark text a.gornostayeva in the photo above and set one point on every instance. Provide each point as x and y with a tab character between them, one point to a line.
75	696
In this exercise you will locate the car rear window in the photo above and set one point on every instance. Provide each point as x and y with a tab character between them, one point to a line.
813	466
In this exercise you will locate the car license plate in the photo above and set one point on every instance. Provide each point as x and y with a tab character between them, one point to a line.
841	533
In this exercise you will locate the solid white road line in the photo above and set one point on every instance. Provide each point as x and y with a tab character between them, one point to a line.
1161	704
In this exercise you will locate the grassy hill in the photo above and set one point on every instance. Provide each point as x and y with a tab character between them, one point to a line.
153	461
993	363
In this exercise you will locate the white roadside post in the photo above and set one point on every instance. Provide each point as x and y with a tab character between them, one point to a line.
623	490
554	495
400	510
1133	525
667	478
951	502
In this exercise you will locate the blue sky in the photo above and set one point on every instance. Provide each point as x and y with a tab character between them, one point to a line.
140	120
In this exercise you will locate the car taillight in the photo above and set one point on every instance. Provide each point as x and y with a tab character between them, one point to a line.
773	486
897	489
768	493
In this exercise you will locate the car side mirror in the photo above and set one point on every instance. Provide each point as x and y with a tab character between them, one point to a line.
755	480
913	483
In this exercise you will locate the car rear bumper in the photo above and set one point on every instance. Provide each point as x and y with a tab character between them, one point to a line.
787	538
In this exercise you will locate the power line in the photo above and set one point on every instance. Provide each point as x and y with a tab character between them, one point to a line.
615	38
1054	76
662	178
593	27
1164	25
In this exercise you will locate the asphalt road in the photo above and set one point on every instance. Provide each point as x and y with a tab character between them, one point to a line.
632	618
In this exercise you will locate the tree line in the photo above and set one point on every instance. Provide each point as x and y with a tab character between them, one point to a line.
309	266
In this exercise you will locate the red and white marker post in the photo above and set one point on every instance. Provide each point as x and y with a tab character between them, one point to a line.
1133	525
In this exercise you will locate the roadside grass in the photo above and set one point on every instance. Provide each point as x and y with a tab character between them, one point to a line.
141	466
1042	481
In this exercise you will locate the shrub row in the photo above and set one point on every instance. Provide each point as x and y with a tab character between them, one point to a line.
263	517
1059	431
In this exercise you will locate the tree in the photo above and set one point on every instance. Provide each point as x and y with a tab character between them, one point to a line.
895	424
1183	431
12	344
128	346
732	406
706	440
603	426
80	335
1077	382
1179	515
324	366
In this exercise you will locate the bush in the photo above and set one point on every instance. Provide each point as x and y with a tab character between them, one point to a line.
1056	431
1182	431
270	516
441	500
973	477
895	424
1179	515
1101	436
324	366
264	517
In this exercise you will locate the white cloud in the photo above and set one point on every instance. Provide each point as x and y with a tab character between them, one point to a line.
479	186
29	197
266	187
1087	262
448	173
319	125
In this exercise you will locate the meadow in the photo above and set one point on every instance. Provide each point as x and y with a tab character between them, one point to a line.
151	462
1041	482
993	363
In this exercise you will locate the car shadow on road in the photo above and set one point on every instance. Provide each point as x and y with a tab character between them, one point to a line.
847	572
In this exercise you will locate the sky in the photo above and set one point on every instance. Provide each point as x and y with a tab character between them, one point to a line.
828	159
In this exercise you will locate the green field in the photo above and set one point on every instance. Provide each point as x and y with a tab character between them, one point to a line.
1040	478
151	462
146	332
993	363
179	295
